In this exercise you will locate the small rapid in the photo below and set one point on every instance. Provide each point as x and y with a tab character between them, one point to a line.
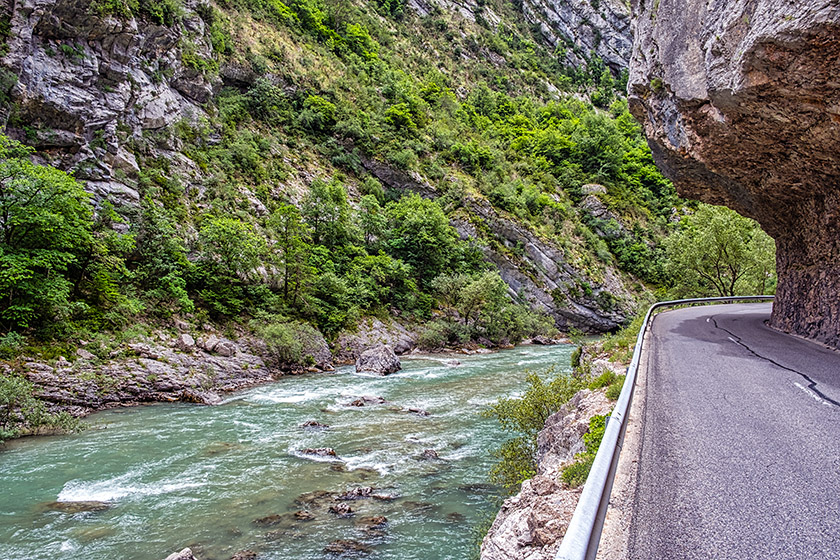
227	478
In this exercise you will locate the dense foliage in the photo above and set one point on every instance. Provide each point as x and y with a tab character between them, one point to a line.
716	252
525	416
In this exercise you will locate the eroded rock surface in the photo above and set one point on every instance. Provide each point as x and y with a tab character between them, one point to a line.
380	360
740	102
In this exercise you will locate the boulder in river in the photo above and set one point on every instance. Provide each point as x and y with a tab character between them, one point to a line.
244	555
77	507
341	509
366	400
430	454
356	493
380	360
185	554
314	424
303	515
319	451
347	546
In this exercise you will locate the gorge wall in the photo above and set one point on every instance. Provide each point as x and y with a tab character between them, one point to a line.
740	102
103	96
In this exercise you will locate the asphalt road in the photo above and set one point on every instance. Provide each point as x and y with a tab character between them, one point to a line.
740	454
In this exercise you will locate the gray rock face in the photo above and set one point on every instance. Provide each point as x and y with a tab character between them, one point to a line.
545	279
584	27
380	360
579	27
144	373
114	80
740	104
532	523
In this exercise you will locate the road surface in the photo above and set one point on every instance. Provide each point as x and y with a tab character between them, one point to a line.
740	454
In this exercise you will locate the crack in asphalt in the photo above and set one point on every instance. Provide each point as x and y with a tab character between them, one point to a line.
812	385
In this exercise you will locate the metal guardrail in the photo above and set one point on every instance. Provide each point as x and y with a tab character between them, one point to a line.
584	533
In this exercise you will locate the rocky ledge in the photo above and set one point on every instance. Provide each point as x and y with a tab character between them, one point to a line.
740	104
166	369
532	523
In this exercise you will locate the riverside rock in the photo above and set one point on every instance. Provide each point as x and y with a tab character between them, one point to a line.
380	360
185	554
740	105
531	524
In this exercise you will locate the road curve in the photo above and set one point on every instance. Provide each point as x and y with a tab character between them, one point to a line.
740	454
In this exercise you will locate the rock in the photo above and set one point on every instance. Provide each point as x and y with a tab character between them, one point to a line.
225	348
303	515
314	424
347	546
185	554
372	332
84	354
366	400
244	555
341	510
374	521
745	113
356	494
531	524
77	507
418	411
380	360
182	326
210	343
429	454
319	451
185	342
269	520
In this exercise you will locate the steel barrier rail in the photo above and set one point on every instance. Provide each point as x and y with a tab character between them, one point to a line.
584	533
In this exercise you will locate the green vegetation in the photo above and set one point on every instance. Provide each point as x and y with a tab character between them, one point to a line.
525	416
574	475
716	252
21	413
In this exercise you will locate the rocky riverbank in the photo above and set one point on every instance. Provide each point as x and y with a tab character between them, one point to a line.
531	524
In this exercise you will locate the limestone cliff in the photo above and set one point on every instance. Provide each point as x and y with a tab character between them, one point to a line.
741	106
89	86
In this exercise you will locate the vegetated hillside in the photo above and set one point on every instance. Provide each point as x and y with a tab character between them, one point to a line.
320	161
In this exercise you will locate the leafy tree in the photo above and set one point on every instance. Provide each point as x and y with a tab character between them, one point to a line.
420	235
372	220
45	224
327	211
717	252
291	236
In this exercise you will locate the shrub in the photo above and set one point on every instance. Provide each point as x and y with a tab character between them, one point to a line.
575	474
291	343
614	390
526	416
21	413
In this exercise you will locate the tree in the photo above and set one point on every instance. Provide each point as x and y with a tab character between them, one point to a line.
45	224
421	236
717	252
371	219
327	211
291	247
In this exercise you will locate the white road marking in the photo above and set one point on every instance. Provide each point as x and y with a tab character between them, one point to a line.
814	395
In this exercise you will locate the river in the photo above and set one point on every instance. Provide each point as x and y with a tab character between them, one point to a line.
177	475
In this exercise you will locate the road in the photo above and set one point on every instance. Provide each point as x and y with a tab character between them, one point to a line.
740	455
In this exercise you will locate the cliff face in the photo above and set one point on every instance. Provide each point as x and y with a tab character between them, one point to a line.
87	86
741	106
583	27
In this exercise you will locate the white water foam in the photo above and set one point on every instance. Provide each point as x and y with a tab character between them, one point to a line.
117	488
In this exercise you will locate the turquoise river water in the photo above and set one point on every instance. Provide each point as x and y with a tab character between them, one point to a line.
179	475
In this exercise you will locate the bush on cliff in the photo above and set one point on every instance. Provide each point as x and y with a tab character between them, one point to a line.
525	416
21	413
